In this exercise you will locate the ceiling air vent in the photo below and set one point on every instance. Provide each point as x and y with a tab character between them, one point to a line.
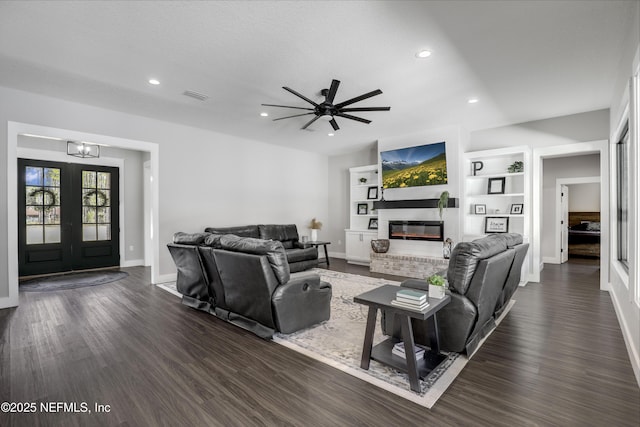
197	95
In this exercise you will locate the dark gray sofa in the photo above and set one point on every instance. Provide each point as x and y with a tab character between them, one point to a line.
300	258
247	282
483	276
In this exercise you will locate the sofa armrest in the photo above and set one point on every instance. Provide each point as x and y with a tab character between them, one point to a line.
298	282
301	302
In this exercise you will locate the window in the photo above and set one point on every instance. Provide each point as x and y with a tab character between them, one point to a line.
622	179
42	187
96	206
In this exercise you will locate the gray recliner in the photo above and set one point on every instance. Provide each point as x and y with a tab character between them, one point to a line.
482	276
247	282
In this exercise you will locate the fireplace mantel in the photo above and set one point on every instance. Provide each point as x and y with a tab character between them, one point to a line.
412	204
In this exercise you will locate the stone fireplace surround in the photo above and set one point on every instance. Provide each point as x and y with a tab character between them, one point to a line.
417	266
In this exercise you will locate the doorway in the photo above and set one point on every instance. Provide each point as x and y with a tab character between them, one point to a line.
567	151
577	213
68	217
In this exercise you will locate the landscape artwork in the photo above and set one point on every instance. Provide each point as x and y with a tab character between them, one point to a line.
414	166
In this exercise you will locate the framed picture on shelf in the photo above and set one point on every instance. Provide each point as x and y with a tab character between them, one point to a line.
363	209
497	224
372	193
480	209
496	186
516	209
373	223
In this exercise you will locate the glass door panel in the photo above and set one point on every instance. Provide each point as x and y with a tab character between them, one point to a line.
96	204
42	207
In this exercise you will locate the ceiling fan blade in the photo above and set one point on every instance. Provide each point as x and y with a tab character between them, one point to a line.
349	116
299	95
310	121
359	98
332	90
288	117
286	106
334	124
366	109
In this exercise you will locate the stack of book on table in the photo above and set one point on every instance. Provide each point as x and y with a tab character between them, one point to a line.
410	299
398	350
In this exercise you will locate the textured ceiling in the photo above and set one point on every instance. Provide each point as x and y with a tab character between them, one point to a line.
524	60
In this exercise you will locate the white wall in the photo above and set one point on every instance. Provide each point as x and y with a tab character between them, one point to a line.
584	197
553	169
624	285
583	127
205	178
456	139
338	220
133	190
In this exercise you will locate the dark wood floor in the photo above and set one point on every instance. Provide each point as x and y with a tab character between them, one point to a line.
557	359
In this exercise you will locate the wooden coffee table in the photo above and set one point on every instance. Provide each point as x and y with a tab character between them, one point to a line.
380	298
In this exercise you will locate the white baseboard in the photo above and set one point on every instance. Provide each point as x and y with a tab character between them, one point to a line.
340	255
634	356
166	278
8	302
550	260
132	263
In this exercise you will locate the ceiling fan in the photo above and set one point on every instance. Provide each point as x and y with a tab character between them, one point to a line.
328	109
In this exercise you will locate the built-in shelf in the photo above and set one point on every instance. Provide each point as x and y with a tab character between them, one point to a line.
495	175
412	204
495	195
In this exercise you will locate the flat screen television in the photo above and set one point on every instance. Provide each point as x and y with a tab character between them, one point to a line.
414	166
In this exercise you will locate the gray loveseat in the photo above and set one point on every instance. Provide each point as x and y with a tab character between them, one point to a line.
483	275
247	282
300	258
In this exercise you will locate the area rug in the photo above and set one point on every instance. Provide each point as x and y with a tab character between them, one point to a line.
338	341
71	281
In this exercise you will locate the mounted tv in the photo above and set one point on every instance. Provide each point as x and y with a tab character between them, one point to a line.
414	166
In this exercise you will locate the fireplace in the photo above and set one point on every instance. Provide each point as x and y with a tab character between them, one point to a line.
417	230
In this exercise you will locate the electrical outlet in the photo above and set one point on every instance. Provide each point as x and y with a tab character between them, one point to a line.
339	242
131	248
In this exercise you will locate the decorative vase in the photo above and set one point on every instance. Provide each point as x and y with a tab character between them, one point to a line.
380	246
314	235
446	248
436	291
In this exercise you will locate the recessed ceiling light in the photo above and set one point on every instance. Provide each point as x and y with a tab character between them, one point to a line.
330	134
472	100
154	82
264	114
423	54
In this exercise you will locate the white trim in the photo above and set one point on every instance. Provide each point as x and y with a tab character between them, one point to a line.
634	355
16	128
579	148
132	263
634	184
12	218
148	233
166	278
57	156
557	256
341	255
550	260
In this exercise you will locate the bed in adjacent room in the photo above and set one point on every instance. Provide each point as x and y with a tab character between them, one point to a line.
584	234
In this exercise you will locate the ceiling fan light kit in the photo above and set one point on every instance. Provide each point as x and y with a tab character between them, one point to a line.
327	110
